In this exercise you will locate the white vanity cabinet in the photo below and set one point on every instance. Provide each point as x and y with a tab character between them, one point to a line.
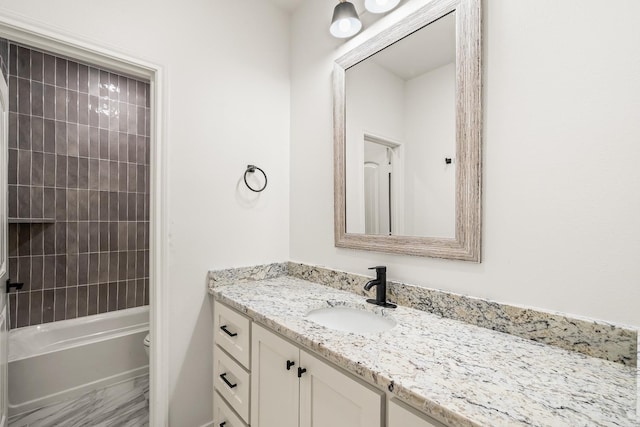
263	380
292	388
231	369
401	415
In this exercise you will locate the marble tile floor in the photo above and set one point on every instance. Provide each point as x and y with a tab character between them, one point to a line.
120	405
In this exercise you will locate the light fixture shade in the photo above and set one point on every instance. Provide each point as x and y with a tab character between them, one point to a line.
380	6
345	22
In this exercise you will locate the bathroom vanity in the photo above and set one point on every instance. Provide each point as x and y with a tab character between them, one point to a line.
275	366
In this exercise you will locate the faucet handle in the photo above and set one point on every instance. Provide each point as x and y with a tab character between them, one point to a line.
381	268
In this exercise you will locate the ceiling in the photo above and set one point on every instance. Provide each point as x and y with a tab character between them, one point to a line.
426	49
288	5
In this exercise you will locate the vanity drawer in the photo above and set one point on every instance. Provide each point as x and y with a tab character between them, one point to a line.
222	413
232	382
232	332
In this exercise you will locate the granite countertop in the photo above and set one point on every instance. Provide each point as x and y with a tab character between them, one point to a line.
460	374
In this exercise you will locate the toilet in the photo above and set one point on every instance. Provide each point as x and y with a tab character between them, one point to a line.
147	341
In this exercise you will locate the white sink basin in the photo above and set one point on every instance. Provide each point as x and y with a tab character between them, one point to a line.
350	319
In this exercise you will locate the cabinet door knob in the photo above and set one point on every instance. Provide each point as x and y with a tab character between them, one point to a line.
226	331
301	371
226	381
290	364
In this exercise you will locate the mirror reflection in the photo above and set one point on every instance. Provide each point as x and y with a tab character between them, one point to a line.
400	141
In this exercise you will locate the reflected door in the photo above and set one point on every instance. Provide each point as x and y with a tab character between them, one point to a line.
378	171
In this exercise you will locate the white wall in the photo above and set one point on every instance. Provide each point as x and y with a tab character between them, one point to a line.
376	103
227	105
430	136
561	156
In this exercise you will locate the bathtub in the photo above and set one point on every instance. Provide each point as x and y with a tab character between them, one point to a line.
61	360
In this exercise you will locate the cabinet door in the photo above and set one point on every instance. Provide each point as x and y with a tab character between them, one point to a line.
330	398
400	415
274	388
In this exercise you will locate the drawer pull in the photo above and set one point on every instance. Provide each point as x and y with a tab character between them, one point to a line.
222	424
226	331
226	381
301	371
290	364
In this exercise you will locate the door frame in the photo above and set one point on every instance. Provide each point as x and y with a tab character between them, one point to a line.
19	29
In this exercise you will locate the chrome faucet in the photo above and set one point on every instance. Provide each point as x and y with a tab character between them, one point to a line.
381	290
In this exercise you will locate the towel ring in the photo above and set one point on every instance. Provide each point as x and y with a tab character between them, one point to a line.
252	169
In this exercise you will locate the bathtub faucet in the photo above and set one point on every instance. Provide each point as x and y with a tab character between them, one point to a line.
381	287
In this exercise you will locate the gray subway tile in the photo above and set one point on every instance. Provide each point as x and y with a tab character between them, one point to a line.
83	301
48	305
60	304
23	306
61	137
83	205
92	299
61	204
61	271
24	131
122	295
113	297
13	130
35	315
49	201
61	238
37	200
72	139
49	276
37	99
24	96
72	303
24	202
72	172
37	63
49	102
94	236
49	137
131	293
37	272
49	239
24	273
49	170
72	75
37	134
61	72
83	269
94	205
24	167
13	167
94	268
72	270
83	173
72	238
61	103
104	239
83	78
83	140
103	295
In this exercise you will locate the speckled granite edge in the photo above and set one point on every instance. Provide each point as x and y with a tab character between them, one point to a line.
247	274
593	338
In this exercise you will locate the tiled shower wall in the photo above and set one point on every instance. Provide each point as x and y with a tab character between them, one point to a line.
78	188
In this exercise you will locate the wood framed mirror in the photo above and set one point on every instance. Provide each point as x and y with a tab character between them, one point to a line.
407	136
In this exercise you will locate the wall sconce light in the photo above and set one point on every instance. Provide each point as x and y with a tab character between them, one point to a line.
345	22
380	6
